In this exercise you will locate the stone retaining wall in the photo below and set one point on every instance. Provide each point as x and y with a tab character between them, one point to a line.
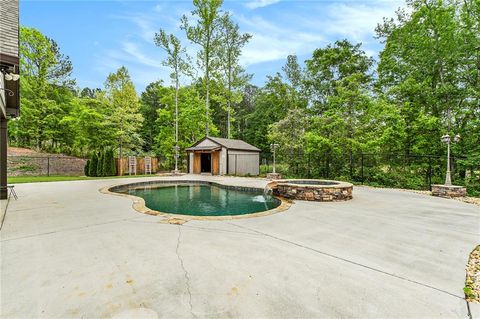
449	191
38	166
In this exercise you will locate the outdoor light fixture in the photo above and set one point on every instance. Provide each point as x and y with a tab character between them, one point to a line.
274	147
177	155
8	76
11	77
448	140
9	92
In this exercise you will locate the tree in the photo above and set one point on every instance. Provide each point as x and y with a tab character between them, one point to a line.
190	113
46	92
232	42
206	34
124	116
109	165
100	162
151	101
92	168
272	103
86	169
177	61
419	67
289	133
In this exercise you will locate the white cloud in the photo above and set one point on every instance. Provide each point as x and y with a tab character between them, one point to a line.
260	3
357	21
138	56
315	25
271	42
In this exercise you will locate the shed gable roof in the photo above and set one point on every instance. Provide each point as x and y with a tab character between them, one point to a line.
231	144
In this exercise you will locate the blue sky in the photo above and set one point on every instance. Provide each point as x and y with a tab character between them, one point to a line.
101	36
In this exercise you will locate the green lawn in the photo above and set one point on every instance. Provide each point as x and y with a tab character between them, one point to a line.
37	179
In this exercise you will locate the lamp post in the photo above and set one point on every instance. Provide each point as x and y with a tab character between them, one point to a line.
177	148
273	147
448	140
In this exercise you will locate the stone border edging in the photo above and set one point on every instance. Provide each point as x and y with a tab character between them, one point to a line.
140	206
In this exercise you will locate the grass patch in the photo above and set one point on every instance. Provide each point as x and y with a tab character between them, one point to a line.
38	179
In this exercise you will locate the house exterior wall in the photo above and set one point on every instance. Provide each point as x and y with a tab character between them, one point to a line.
243	162
9	27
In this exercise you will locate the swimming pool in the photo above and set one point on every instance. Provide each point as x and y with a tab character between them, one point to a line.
200	198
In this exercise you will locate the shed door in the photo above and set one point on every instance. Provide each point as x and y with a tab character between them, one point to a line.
216	163
196	163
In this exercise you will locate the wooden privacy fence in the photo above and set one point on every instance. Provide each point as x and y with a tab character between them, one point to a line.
123	163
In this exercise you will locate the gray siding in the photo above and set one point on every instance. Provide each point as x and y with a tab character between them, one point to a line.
9	27
243	163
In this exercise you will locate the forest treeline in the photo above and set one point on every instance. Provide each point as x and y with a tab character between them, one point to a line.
322	112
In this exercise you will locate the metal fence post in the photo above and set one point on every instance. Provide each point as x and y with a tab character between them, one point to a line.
351	166
361	168
429	179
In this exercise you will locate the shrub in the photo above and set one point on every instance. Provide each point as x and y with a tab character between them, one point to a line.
92	169
109	165
101	156
86	169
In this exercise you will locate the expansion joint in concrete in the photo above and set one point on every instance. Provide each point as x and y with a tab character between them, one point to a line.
351	261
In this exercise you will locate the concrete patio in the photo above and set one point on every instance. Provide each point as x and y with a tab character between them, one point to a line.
69	251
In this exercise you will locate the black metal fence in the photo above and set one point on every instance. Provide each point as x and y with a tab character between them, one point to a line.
391	170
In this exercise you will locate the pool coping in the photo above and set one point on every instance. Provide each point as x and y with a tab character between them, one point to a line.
140	206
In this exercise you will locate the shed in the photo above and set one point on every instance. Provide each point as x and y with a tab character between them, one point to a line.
220	156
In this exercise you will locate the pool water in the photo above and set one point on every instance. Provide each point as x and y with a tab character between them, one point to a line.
203	200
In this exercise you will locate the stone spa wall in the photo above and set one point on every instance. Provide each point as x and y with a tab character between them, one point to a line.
332	192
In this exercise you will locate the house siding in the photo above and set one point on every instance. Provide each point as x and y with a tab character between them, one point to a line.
9	27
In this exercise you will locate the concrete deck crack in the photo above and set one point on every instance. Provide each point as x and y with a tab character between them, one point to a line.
351	261
185	272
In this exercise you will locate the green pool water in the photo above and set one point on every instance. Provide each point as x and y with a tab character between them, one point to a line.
203	200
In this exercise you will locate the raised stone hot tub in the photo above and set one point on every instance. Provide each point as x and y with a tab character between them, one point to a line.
312	189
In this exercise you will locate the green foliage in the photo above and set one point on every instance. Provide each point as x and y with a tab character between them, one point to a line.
109	164
86	169
190	114
205	33
123	109
233	76
92	168
100	163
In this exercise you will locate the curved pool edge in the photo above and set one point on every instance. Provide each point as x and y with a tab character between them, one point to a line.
140	206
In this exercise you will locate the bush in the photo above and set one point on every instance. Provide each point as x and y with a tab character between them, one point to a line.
86	169
100	171
92	169
109	165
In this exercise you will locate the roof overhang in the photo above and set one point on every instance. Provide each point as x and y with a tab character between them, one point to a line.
203	148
